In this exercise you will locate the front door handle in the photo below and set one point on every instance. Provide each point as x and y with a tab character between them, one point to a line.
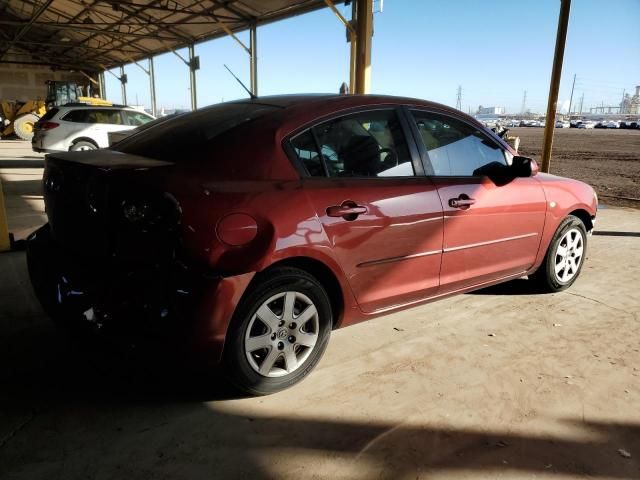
348	210
462	202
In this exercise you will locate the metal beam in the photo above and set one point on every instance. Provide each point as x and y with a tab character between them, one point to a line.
337	13
192	76
152	86
103	93
253	59
68	45
25	28
353	40
554	87
123	84
364	33
228	31
186	11
58	65
89	77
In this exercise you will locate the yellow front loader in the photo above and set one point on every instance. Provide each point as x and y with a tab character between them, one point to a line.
20	117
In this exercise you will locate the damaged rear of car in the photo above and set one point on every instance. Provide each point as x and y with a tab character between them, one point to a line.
113	258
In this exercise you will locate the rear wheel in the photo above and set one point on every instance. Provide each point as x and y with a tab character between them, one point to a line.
279	333
83	145
23	125
563	262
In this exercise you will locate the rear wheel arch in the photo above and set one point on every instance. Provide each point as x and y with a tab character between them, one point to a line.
84	139
321	272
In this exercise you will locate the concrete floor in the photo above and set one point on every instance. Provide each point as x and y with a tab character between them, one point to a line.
502	383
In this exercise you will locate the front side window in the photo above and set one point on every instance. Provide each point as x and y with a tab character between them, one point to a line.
368	144
111	117
456	148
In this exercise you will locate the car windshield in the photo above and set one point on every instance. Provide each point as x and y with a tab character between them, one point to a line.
186	136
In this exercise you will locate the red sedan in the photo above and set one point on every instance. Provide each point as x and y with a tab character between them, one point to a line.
249	230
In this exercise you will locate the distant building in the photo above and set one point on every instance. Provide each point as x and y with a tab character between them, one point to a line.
634	107
491	110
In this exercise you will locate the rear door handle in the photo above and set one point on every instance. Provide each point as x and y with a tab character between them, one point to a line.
348	210
462	202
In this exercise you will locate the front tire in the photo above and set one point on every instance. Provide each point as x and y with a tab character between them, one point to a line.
279	332
565	256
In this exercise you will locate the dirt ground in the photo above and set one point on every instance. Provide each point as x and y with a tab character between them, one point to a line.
609	160
499	384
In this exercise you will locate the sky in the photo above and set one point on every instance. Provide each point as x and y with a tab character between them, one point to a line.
495	50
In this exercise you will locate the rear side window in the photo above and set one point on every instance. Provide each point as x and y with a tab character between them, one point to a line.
49	115
454	147
188	135
367	144
77	116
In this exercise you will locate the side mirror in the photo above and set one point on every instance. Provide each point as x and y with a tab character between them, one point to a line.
524	166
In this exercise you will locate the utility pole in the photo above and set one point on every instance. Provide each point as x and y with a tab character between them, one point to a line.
459	100
571	97
622	107
524	102
556	73
581	101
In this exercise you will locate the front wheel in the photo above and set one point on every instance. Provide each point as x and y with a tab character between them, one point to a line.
279	332
563	262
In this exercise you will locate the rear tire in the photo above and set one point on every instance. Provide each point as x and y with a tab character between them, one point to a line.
83	145
565	256
279	332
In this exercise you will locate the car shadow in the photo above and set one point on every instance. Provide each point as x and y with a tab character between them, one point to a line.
70	421
519	286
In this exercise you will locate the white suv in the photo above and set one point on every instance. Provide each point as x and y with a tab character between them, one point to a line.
83	127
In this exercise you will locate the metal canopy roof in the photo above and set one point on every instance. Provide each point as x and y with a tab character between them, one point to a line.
98	34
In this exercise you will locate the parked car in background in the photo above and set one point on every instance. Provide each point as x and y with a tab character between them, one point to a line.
247	231
115	137
562	124
75	127
587	125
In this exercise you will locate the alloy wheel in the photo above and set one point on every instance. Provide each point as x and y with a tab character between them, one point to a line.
569	255
282	334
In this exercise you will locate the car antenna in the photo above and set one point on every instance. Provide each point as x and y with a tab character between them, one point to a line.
251	94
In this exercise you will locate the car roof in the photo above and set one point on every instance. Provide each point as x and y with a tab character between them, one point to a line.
295	111
338	100
80	106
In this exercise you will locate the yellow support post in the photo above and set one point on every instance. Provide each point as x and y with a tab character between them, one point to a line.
554	87
5	243
364	33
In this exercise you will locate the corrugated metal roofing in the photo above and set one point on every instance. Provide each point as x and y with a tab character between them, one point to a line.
90	34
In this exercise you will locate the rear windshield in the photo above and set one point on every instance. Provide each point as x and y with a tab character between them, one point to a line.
186	136
49	115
